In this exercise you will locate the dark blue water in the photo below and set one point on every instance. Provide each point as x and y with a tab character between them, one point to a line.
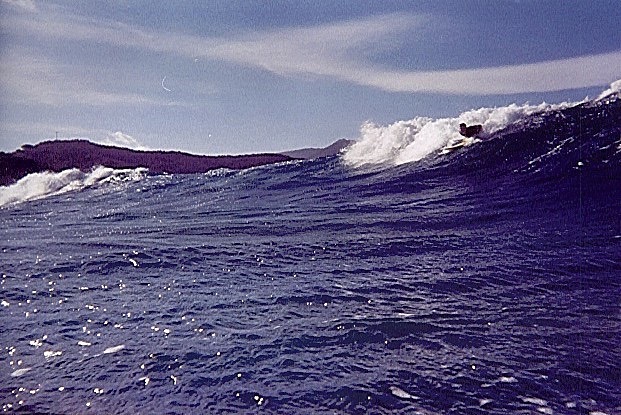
483	281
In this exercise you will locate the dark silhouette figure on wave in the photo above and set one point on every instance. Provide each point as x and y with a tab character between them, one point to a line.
471	130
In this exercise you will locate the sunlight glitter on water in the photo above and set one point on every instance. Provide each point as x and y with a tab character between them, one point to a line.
326	290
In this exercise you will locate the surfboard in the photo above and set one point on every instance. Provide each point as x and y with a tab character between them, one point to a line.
454	146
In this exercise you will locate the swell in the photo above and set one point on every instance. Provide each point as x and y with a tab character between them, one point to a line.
422	137
40	185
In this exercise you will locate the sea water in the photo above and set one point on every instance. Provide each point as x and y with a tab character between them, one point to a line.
390	279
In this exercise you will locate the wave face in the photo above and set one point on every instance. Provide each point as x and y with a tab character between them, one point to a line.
485	280
413	140
421	137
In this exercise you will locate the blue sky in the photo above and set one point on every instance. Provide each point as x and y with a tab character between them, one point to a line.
227	76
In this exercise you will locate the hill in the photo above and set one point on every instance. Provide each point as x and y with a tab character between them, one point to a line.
84	155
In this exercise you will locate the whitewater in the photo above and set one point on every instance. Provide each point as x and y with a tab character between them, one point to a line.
412	140
396	278
38	185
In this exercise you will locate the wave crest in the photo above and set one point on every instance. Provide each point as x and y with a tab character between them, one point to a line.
614	88
40	185
412	140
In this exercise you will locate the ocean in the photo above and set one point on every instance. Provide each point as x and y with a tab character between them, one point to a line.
396	278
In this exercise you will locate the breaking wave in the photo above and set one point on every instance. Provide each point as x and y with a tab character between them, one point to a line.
615	87
39	185
483	281
412	140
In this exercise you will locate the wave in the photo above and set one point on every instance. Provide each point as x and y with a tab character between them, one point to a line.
39	185
413	140
615	87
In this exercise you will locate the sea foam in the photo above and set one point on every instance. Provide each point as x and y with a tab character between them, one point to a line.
615	87
412	140
39	185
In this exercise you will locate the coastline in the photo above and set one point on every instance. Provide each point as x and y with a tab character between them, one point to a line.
59	155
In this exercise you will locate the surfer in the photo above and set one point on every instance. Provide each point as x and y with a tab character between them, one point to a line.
471	130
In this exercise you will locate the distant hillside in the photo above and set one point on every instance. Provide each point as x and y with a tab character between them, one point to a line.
84	155
313	153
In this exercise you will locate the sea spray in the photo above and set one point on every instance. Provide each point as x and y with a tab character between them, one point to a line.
486	281
39	185
412	140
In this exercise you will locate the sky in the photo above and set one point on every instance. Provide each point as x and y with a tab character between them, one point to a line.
234	77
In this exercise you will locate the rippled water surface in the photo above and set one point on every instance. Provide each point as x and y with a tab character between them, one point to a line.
311	287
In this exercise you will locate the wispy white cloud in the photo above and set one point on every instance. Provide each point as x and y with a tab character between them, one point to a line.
338	50
555	75
318	50
120	139
27	5
43	131
335	50
26	78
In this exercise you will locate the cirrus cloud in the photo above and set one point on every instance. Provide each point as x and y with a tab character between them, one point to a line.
27	5
336	50
120	139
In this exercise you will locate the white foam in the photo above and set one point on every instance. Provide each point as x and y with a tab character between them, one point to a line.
614	87
483	402
40	185
535	401
400	393
36	343
51	353
114	349
413	140
507	379
20	372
